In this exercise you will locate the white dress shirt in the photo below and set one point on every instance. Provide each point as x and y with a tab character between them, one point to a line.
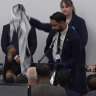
62	38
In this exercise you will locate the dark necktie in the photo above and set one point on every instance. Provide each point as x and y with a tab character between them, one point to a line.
58	44
15	41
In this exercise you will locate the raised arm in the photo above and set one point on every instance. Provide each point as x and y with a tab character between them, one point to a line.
42	26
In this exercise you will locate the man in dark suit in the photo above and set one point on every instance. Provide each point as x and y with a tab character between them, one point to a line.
18	42
71	44
44	88
69	51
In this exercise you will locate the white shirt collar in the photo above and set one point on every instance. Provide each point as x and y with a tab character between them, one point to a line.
65	31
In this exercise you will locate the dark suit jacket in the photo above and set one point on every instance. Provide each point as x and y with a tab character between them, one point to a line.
46	89
71	48
5	42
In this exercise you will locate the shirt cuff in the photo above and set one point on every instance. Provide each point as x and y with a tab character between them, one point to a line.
16	57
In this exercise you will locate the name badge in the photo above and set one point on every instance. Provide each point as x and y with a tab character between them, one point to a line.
57	56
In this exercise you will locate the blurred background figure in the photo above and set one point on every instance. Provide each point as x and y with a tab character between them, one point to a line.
21	79
10	76
64	80
91	85
32	76
44	88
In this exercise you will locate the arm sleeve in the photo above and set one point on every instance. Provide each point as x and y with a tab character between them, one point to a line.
39	25
4	39
82	31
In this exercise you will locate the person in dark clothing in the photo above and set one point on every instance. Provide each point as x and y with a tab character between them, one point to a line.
44	88
70	48
10	76
21	79
64	80
79	25
18	42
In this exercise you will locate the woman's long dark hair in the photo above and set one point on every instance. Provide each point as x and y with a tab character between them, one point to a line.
68	3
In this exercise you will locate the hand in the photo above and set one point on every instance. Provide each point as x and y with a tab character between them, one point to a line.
27	16
12	51
10	58
18	59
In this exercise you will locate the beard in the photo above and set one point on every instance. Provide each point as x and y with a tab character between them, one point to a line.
60	29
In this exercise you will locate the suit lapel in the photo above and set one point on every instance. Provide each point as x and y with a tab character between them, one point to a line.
66	40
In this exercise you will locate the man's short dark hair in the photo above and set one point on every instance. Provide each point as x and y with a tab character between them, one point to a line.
91	82
58	17
21	79
43	70
64	77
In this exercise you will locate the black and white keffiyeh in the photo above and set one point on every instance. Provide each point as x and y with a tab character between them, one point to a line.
20	24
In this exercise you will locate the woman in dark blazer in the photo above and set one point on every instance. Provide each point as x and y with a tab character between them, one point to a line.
79	25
